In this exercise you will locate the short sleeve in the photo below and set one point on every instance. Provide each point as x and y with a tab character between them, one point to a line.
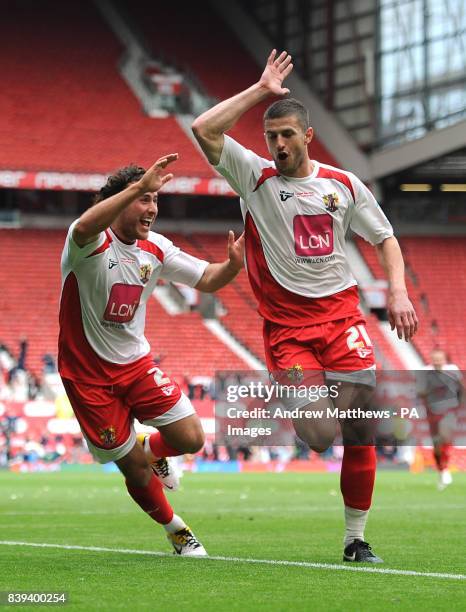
368	219
73	253
180	267
241	167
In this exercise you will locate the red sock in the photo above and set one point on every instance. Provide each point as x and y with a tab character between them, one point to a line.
160	448
444	457
358	476
152	500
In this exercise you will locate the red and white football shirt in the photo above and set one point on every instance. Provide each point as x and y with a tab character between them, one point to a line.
295	235
106	285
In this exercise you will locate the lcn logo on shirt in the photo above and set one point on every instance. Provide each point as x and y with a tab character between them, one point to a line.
313	234
122	303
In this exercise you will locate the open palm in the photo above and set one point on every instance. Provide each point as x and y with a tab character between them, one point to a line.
154	178
275	72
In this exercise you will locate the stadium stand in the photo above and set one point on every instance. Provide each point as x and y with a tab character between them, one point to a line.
223	67
64	105
187	347
30	282
241	318
437	295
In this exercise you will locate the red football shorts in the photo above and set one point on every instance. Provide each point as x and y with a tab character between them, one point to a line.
105	414
342	345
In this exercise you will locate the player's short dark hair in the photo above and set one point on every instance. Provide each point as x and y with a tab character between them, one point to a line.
287	107
119	180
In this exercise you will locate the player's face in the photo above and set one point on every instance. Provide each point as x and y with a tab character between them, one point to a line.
135	222
287	143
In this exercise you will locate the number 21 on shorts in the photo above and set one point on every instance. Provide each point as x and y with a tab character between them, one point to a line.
358	340
159	377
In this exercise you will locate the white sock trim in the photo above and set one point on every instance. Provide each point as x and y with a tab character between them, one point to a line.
175	524
355	522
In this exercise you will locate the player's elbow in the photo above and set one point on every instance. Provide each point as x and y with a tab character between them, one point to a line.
199	128
204	133
80	231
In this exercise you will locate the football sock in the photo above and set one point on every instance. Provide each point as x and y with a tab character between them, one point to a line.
444	457
175	524
152	500
357	484
160	448
358	476
355	522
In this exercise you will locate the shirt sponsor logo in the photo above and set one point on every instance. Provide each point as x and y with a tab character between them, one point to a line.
313	235
122	303
331	201
285	195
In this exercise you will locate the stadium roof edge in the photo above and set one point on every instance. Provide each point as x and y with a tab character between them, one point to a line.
432	145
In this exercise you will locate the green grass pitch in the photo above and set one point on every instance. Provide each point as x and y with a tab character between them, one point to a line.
293	517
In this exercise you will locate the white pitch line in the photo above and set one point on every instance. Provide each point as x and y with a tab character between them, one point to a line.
153	553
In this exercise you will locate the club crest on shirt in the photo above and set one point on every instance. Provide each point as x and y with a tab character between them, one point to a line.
331	201
107	435
295	373
144	272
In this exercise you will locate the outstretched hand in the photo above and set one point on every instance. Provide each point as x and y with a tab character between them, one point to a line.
275	72
236	250
402	316
154	179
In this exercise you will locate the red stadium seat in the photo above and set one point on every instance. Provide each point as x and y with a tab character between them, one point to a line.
64	105
437	289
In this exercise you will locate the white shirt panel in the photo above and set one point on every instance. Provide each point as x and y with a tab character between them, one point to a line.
303	231
115	284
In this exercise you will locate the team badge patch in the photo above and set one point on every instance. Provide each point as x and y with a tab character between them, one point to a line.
144	272
168	390
331	201
295	373
364	352
107	435
361	349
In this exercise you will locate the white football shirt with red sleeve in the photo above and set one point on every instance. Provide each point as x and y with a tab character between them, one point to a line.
105	287
295	235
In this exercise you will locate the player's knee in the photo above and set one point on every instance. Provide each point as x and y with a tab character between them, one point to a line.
193	441
138	475
135	468
320	448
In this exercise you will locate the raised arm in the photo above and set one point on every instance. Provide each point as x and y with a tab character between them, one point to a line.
209	127
401	313
217	275
100	216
